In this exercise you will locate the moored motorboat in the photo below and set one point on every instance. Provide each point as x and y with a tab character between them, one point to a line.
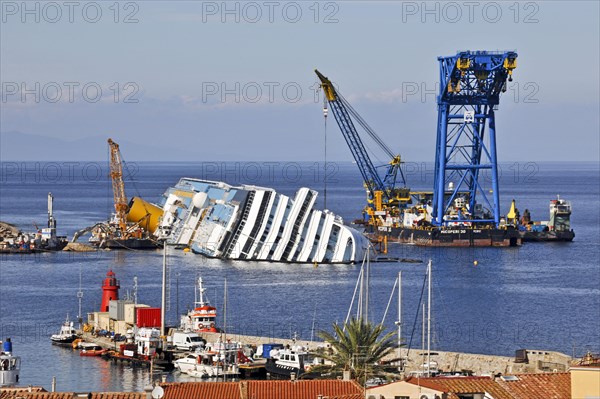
66	335
91	349
285	362
213	360
93	352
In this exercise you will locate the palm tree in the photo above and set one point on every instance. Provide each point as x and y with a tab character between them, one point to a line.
357	346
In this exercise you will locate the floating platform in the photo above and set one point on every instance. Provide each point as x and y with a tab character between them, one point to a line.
448	237
129	243
544	236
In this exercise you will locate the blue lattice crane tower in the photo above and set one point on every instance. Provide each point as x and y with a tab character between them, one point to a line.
470	86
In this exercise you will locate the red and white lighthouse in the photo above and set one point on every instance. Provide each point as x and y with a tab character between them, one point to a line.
110	290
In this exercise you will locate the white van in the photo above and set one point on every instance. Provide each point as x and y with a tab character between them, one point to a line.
188	341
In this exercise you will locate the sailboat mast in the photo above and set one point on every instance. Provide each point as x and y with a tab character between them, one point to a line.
226	349
359	309
429	318
423	336
225	311
79	297
367	283
195	296
400	318
163	301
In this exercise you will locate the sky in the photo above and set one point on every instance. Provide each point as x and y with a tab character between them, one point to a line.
204	80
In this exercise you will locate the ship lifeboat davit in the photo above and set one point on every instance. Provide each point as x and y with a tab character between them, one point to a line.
144	213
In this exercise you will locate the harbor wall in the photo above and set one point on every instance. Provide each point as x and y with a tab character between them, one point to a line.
538	360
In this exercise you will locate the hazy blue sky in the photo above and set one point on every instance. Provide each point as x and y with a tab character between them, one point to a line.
176	58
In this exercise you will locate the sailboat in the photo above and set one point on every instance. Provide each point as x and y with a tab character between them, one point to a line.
428	368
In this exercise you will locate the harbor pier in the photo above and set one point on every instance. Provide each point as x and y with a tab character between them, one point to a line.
528	361
531	361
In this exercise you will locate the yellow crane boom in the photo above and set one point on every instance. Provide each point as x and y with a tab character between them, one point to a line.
116	176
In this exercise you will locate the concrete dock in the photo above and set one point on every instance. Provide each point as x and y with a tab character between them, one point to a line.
453	362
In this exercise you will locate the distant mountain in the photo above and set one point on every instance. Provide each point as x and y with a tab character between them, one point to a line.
18	146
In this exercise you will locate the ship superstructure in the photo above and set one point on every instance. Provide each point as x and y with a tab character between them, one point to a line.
202	318
247	222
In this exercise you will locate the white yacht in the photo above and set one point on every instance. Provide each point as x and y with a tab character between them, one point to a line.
288	361
214	360
66	335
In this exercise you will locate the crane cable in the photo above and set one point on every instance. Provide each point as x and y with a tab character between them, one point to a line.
370	132
366	126
325	111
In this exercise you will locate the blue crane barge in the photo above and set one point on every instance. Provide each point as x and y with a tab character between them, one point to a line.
463	209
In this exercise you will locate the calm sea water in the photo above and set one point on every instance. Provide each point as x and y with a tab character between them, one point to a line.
539	296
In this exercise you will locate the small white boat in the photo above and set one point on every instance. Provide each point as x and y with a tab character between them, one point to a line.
66	335
9	365
215	360
426	370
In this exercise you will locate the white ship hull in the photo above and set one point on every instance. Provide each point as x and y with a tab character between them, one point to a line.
256	223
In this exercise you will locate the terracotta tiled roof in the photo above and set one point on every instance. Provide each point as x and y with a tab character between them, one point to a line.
454	385
539	385
303	389
118	395
6	393
45	395
202	390
23	393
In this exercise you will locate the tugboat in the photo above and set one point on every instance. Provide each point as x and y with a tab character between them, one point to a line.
202	317
558	228
66	335
283	363
9	365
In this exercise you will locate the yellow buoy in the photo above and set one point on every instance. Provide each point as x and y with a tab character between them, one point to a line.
186	249
475	263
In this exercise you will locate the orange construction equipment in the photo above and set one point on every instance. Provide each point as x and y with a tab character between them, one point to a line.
116	175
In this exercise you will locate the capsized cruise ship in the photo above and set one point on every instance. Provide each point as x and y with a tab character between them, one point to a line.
255	223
